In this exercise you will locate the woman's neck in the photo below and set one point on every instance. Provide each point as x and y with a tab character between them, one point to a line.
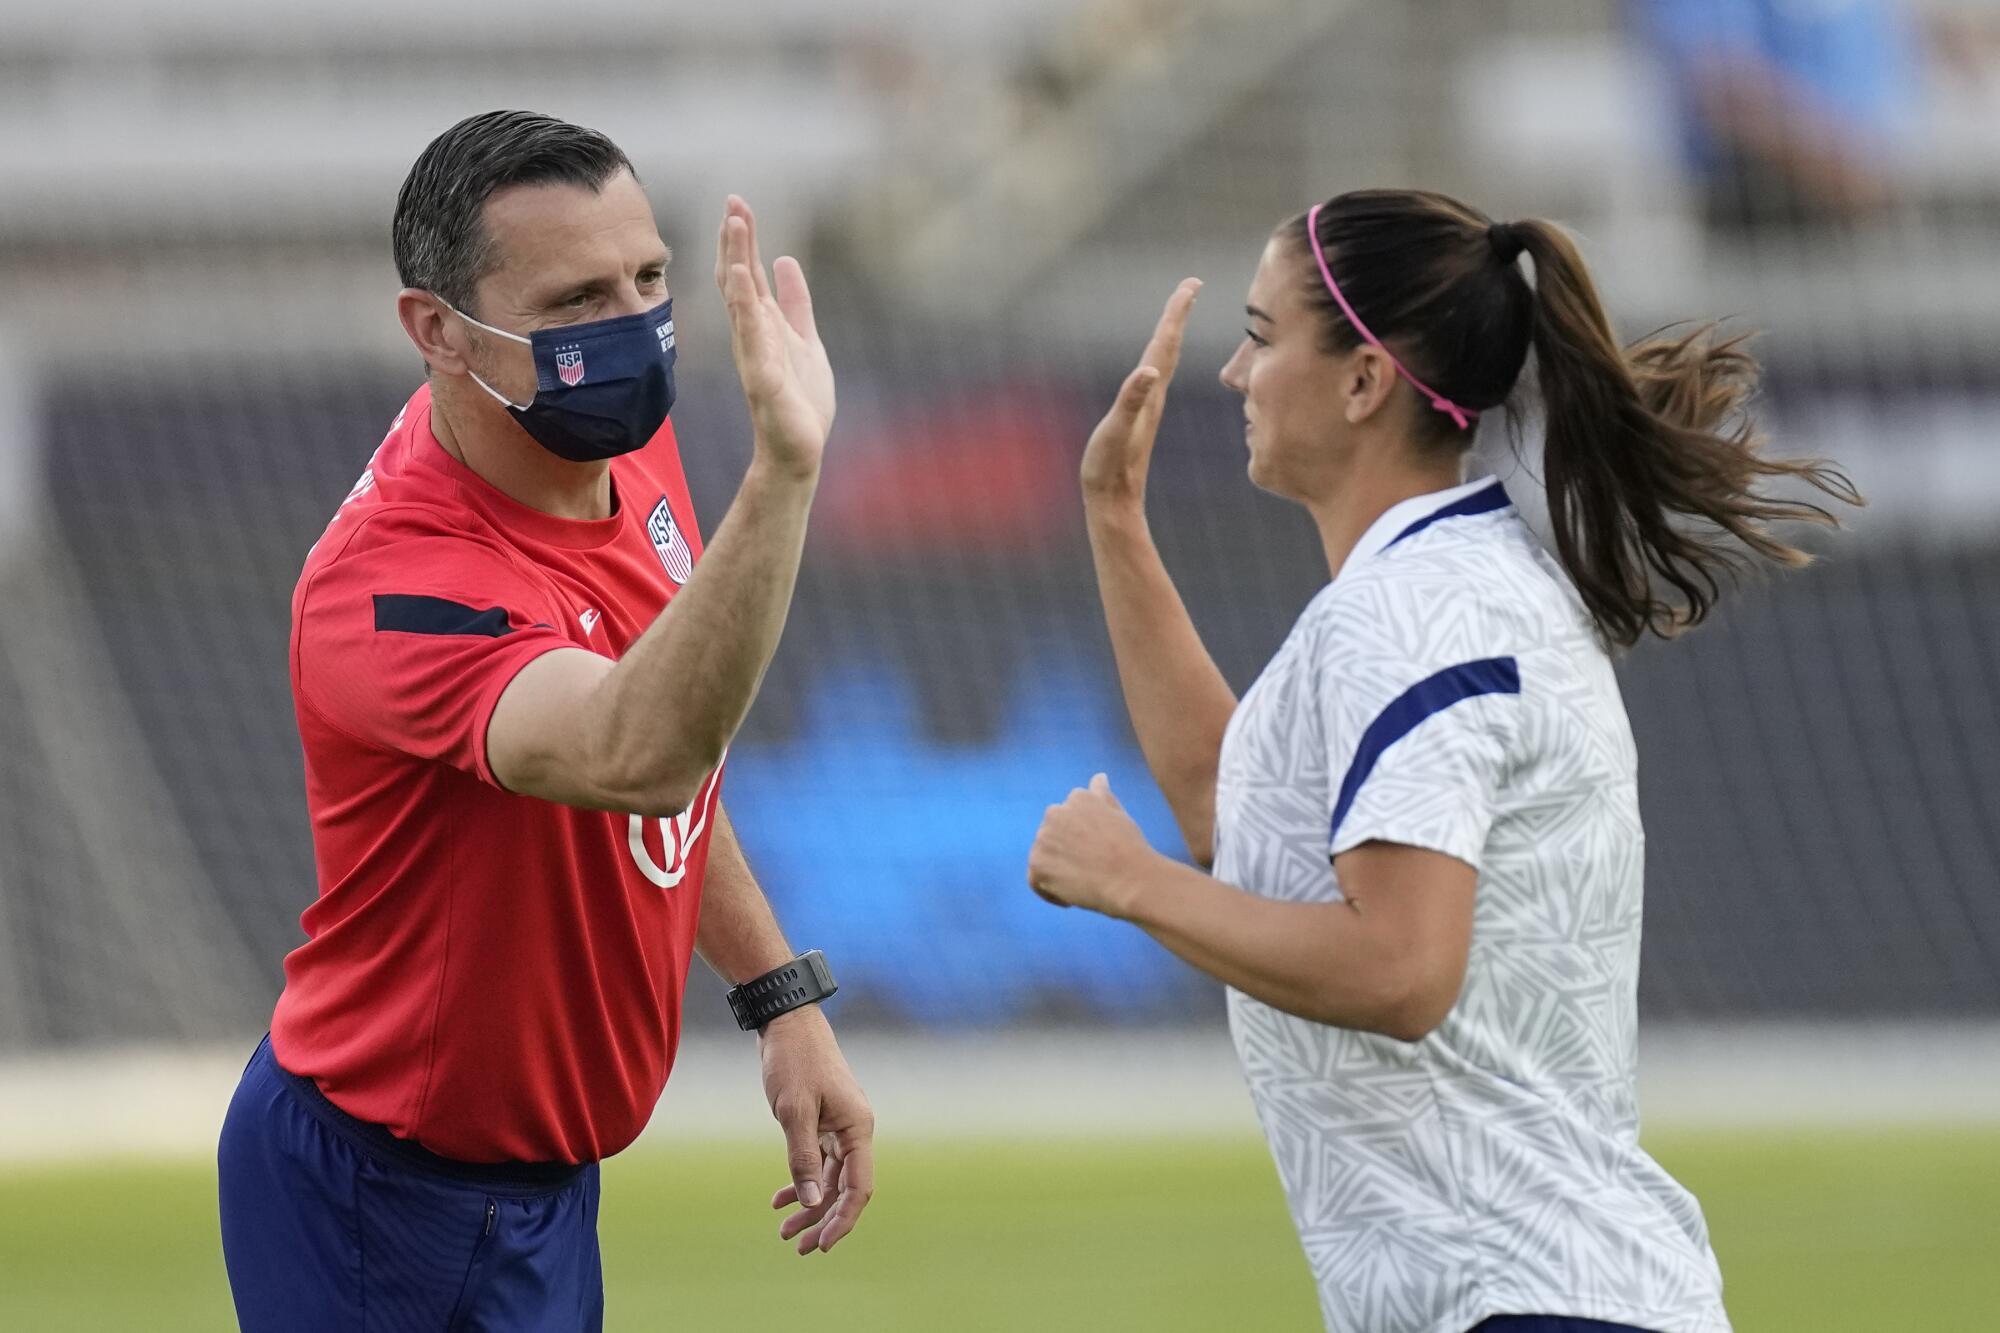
1350	507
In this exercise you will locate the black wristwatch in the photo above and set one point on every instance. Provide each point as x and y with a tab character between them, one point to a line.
805	980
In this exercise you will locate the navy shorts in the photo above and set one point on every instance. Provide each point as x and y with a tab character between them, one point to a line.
333	1225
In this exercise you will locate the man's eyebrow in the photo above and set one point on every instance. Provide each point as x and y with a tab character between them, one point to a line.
1255	313
666	257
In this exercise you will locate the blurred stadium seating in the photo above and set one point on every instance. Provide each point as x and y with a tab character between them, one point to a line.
197	354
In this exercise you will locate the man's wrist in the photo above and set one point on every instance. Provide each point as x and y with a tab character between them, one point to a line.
752	961
772	468
1115	507
806	1016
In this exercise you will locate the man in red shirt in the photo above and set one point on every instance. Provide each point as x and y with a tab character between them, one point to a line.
517	674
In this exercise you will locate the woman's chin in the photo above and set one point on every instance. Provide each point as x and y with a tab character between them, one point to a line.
1258	474
1270	480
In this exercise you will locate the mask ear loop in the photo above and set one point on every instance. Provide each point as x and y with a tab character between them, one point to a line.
1464	416
498	397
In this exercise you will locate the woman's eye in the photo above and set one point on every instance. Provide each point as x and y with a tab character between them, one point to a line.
1252	336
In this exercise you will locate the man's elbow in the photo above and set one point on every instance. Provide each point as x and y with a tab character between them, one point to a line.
655	787
662	803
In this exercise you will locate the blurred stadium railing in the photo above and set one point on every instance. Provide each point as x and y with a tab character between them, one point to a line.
197	355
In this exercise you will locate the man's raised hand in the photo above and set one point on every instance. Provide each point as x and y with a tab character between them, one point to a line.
787	380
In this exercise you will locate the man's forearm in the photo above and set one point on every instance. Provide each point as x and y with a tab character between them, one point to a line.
739	935
663	716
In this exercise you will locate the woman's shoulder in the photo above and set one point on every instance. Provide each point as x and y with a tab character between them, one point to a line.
1427	604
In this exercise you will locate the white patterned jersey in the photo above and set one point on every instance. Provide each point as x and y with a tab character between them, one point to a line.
1447	691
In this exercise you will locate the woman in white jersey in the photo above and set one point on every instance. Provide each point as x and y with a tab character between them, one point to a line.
1423	817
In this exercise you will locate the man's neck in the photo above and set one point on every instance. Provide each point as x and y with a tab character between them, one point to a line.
508	460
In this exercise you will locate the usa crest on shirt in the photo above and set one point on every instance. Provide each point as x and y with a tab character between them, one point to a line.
569	365
668	541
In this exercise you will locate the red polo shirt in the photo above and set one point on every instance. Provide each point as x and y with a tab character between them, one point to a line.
496	977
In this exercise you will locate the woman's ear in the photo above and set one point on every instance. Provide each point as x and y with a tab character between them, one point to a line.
1367	384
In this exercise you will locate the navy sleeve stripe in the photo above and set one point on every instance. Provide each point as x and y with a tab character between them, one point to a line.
407	613
1453	685
1482	501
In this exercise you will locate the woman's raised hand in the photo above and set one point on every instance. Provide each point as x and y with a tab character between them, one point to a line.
1120	451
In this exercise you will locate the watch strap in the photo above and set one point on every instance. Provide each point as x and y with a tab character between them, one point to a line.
805	980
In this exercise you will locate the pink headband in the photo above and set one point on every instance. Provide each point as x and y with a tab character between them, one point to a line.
1464	416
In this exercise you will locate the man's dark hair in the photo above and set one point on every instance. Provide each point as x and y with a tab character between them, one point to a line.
439	235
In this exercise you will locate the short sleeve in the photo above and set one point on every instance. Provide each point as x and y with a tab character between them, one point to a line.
408	645
1417	743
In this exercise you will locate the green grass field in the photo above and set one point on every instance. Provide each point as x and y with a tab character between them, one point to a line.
1820	1233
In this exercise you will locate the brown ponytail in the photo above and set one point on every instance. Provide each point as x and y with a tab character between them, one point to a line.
1652	463
1651	459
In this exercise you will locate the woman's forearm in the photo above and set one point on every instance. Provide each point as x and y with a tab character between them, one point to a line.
1177	698
1329	962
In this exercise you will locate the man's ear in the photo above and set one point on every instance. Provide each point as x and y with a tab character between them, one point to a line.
428	324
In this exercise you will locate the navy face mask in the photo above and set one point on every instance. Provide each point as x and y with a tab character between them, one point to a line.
601	389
